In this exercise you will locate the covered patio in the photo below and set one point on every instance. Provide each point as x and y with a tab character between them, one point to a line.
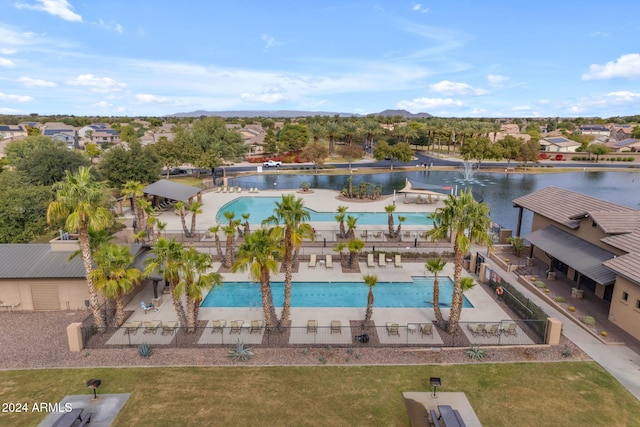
424	193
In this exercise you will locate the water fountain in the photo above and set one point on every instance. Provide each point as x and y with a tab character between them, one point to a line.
468	171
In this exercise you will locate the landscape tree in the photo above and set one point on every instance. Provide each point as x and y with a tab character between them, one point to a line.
352	223
354	246
370	280
598	150
114	276
636	132
340	218
390	209
171	153
134	190
350	152
478	149
529	151
509	147
129	134
258	254
401	152
84	203
291	217
132	162
332	130
292	137
465	221
229	231
316	152
214	144
435	266
214	230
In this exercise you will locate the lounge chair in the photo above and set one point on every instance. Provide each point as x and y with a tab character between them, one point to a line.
131	327
370	262
477	329
9	306
151	327
313	260
398	261
336	327
329	261
392	329
382	260
217	326
363	234
407	234
169	328
378	235
510	329
494	330
236	326
219	189
256	326
239	190
426	329
312	326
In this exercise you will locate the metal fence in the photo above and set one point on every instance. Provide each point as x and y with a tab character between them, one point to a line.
490	333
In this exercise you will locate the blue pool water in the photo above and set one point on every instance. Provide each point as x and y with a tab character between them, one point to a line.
261	208
416	294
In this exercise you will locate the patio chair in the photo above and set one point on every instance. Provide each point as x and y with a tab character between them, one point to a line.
363	234
236	326
494	330
426	329
131	328
219	189
481	329
329	262
312	326
256	326
393	329
382	260
169	328
378	235
313	260
370	262
217	326
151	327
398	261
510	329
336	327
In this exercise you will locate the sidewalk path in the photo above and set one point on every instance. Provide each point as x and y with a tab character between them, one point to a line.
619	360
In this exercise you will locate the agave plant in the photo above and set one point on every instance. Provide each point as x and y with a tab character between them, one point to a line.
475	353
240	353
144	350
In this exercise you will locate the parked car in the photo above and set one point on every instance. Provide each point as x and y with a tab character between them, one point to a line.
272	163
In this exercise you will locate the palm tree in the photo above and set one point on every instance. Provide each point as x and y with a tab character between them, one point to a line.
214	230
194	280
290	212
401	219
370	280
340	218
160	226
258	254
135	190
180	208
167	259
339	248
355	247
246	216
82	201
332	130
351	226
390	209
112	277
435	266
466	284
195	208
465	221
230	232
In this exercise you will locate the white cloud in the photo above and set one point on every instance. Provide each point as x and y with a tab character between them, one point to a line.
15	98
7	51
577	108
599	34
421	104
497	80
97	84
111	26
627	66
521	108
107	106
543	102
4	62
446	87
29	82
417	7
145	98
264	98
9	111
624	96
59	8
269	41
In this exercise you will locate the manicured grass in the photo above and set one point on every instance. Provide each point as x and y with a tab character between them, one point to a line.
522	394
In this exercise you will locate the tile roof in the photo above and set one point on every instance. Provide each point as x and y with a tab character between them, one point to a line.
629	242
626	266
565	206
616	222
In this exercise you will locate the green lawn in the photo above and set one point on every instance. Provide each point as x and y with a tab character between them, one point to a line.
522	394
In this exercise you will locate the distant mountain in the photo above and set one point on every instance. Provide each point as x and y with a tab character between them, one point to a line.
291	114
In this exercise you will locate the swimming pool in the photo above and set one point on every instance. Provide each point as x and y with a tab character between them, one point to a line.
416	294
261	208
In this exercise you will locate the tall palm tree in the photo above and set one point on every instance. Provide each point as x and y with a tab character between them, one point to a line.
465	221
291	215
180	208
354	246
230	233
195	208
332	130
352	222
390	209
82	202
135	190
435	266
112	276
401	219
214	230
167	259
246	228
370	280
194	280
340	218
258	254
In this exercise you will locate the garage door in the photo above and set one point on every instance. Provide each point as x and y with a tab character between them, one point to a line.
45	297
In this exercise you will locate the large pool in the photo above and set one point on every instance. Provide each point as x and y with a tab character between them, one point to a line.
416	294
261	208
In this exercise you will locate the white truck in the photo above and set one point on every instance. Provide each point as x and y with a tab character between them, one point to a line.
272	163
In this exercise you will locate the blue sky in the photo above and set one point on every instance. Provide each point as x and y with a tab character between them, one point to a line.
450	58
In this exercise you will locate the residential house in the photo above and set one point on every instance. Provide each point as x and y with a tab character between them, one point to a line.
626	145
595	130
593	243
99	133
559	145
12	132
621	132
61	132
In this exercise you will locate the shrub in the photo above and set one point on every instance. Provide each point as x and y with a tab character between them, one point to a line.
475	353
547	290
588	320
604	333
145	350
540	284
560	299
240	353
572	309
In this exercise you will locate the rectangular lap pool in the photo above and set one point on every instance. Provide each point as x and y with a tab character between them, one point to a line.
416	294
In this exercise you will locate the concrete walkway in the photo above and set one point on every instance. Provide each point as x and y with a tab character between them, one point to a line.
619	360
